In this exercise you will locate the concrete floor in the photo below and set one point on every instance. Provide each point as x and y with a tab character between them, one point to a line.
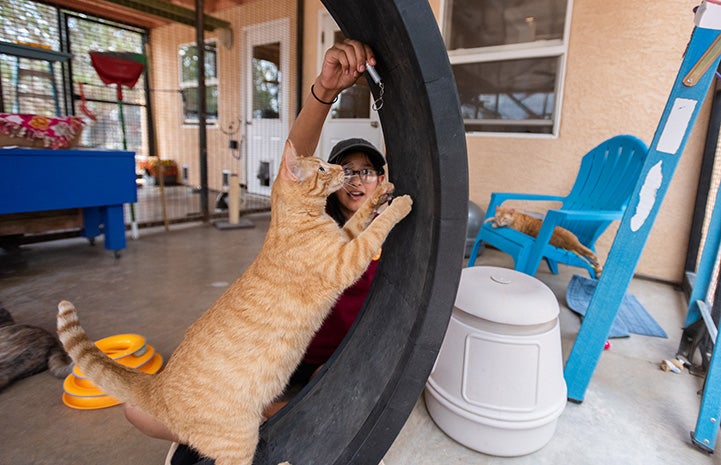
633	412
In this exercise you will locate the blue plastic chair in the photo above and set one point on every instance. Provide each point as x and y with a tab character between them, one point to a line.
602	189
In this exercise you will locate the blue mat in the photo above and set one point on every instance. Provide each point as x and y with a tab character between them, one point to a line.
631	317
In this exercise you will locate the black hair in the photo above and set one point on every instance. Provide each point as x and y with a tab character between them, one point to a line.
371	158
333	208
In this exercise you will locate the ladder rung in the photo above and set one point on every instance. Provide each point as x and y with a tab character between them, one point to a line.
35	72
36	95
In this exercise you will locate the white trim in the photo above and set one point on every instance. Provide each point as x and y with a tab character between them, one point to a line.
514	122
182	85
560	84
443	18
511	135
323	18
538	49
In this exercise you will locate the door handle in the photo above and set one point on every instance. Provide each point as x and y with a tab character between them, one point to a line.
374	124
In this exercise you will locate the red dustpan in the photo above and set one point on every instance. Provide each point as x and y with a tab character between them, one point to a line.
121	69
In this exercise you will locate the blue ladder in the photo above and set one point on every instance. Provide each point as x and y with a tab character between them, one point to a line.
699	311
690	88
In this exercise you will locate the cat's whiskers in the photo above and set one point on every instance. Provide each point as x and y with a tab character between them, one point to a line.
347	182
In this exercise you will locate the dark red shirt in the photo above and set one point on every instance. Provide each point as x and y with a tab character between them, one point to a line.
340	319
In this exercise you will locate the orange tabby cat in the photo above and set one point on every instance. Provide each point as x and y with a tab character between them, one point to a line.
561	237
238	356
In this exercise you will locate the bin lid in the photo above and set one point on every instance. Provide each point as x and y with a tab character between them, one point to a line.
505	296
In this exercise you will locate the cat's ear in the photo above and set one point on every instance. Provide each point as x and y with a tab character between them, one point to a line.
289	167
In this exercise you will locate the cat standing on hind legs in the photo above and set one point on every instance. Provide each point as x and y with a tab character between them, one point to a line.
365	172
237	357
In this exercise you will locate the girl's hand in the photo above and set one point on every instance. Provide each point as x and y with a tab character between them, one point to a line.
343	64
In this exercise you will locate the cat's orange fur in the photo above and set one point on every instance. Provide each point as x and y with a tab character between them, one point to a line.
238	356
561	237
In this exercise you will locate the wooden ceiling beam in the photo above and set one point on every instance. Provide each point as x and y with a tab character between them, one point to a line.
172	12
117	10
112	12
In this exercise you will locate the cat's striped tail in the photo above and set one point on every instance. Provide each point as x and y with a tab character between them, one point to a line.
116	380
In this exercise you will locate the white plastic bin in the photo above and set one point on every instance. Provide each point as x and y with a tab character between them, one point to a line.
497	386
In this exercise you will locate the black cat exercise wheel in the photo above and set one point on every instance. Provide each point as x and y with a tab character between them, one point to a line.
352	412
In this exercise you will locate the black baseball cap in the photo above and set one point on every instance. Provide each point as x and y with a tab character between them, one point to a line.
357	144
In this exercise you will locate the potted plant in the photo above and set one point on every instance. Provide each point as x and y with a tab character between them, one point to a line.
151	169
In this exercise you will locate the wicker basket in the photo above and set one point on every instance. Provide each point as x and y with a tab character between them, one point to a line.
10	141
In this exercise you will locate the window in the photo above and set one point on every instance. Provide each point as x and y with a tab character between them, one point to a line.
43	25
508	58
266	81
188	61
90	34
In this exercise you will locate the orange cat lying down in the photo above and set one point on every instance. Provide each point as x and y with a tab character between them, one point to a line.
561	238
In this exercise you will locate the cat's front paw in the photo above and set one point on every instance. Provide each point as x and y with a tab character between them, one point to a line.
401	206
382	195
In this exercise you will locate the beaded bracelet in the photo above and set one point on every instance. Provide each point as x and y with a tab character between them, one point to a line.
312	91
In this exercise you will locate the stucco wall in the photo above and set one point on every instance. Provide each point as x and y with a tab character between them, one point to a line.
180	142
622	60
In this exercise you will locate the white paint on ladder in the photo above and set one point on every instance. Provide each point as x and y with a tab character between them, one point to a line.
676	125
647	196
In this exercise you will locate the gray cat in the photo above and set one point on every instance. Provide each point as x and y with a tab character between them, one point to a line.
26	350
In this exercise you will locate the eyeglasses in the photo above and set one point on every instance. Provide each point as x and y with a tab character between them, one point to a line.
365	175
